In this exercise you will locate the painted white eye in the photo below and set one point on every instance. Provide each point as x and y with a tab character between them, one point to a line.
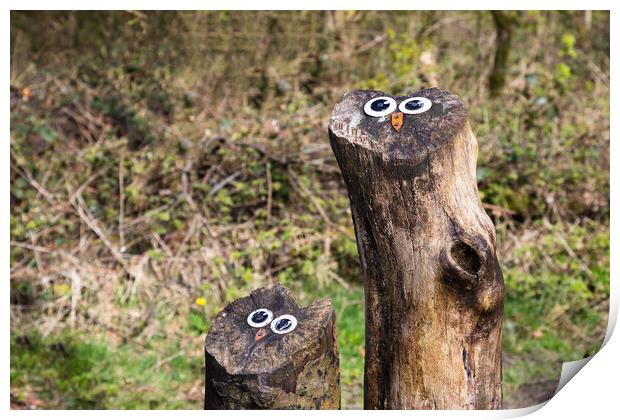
283	324
380	107
415	105
260	317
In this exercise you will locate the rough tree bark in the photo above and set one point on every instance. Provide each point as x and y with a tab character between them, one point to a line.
255	368
433	286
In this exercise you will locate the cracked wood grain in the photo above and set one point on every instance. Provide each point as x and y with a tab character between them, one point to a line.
433	287
248	370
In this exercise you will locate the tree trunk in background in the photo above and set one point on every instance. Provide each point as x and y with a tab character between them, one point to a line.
434	289
504	25
255	368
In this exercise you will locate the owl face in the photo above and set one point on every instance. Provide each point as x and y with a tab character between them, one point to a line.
398	127
262	317
383	106
260	332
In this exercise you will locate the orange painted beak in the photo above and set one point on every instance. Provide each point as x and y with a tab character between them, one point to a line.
397	120
260	334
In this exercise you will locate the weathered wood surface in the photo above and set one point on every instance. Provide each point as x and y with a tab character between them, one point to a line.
255	368
433	286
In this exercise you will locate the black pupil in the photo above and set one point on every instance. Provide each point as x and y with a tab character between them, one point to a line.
259	316
414	105
380	105
283	324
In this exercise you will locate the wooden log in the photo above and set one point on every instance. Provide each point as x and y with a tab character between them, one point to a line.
433	287
255	367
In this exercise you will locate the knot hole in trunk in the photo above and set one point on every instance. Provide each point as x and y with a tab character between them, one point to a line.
466	257
463	264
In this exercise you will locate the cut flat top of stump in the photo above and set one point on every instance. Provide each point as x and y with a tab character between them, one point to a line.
233	342
420	134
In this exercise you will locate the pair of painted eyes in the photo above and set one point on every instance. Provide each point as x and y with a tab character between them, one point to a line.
384	105
281	325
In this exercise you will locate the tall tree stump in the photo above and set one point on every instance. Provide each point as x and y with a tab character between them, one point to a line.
252	366
434	289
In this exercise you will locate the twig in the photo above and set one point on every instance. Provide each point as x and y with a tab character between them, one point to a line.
209	172
79	123
59	316
146	216
369	45
76	291
269	191
97	320
168	359
427	31
121	210
223	183
261	151
90	220
17	266
137	14
32	247
28	176
186	186
43	182
339	279
78	192
601	76
569	250
162	244
498	209
194	225
297	185
33	240
75	260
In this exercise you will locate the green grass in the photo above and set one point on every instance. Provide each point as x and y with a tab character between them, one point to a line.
71	372
557	310
349	308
